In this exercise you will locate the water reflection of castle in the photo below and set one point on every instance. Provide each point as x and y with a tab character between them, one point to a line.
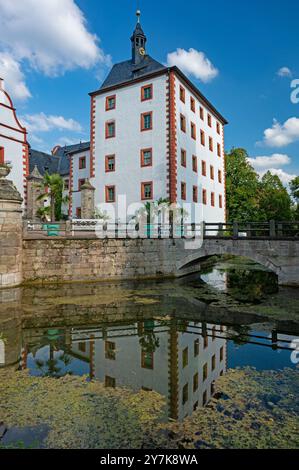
179	360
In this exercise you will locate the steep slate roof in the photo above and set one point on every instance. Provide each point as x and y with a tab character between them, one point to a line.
58	163
126	71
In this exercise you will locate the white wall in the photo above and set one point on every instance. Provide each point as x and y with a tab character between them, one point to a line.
78	175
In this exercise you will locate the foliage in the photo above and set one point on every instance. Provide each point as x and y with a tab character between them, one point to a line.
294	187
53	188
275	202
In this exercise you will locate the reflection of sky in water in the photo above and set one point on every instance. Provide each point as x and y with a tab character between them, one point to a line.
76	366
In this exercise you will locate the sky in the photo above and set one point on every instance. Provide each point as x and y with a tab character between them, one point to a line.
242	55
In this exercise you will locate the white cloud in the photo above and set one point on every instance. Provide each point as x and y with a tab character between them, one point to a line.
284	72
280	135
285	177
43	123
194	63
273	161
49	35
13	77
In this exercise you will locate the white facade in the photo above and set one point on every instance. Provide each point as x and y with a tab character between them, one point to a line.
79	173
13	142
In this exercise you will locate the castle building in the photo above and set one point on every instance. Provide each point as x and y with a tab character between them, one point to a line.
154	135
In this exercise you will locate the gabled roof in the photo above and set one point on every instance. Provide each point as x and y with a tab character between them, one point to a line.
126	71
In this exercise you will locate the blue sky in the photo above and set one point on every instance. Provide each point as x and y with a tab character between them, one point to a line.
53	57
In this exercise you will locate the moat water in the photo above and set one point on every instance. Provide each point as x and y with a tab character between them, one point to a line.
175	338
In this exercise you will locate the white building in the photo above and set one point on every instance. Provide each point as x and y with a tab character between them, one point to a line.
154	135
13	142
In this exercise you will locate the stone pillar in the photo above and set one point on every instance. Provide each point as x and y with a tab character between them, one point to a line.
87	200
10	233
33	191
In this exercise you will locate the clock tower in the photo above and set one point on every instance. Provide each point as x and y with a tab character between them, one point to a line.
138	42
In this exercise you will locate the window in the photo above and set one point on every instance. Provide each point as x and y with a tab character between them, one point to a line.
204	197
211	172
82	163
110	102
204	398
195	382
201	113
80	183
213	199
203	168
219	176
214	333
192	104
212	388
211	144
109	163
218	128
146	157
110	193
185	357
110	381
221	353
205	372
183	158
209	120
220	201
146	121
205	342
66	184
82	347
182	94
214	362
196	347
202	138
1	155
195	406
147	360
78	212
146	92
193	130
219	150
185	394
195	194
110	350
194	163
183	123
110	129
183	191
147	190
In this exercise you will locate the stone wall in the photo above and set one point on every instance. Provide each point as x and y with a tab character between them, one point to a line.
56	260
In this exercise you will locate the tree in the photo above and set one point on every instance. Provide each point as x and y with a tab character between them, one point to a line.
242	187
294	187
275	201
53	186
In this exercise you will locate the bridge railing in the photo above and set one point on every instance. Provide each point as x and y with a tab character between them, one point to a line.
97	229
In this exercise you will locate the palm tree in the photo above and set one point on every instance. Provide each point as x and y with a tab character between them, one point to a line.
53	188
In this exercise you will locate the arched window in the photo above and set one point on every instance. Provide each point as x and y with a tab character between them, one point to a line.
1	155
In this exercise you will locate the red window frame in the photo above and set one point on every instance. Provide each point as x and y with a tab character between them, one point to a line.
195	193
143	98
107	158
211	144
1	155
219	150
142	121
212	174
78	212
182	94
183	122
209	120
183	158
201	113
143	364
194	163
203	168
183	191
81	181
143	196
107	129
220	201
219	176
204	197
66	184
202	138
193	130
218	127
108	98
212	199
81	161
142	162
107	188
192	104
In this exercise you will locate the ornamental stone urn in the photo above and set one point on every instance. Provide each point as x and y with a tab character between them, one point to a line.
4	171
